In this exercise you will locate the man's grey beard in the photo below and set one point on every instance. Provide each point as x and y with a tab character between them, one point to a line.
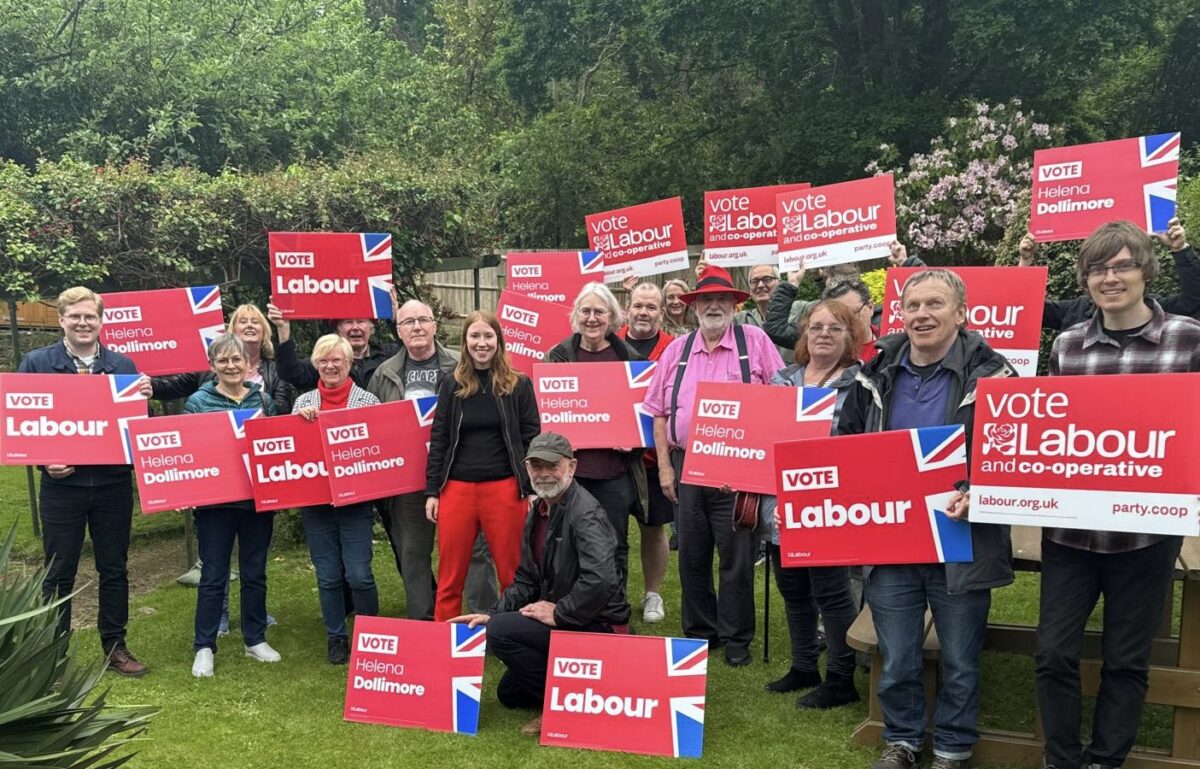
552	492
715	324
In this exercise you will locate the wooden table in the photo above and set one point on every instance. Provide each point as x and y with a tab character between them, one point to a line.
1174	670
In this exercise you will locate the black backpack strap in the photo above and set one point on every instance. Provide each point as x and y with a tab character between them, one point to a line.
739	336
679	369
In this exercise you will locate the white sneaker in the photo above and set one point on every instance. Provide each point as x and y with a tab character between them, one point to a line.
203	666
262	652
652	608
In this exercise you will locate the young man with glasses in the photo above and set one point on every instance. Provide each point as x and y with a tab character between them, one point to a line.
1129	334
96	497
414	372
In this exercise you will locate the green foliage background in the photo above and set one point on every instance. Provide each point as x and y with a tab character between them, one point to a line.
152	141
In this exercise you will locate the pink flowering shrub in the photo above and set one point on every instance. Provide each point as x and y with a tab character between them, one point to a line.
954	202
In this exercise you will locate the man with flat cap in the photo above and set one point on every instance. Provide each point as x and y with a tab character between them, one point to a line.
567	578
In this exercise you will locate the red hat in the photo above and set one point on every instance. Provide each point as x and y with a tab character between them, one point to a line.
715	280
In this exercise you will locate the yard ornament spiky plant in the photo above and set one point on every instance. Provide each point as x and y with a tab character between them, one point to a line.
51	717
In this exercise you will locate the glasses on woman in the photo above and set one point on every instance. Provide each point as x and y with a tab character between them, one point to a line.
834	329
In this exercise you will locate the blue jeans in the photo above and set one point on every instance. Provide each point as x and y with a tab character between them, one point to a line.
898	596
339	542
216	528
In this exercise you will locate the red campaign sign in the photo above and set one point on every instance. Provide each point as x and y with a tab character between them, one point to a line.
735	428
836	508
426	675
1077	189
740	225
1093	452
553	276
1004	304
377	451
51	419
164	332
596	405
189	460
531	328
838	223
287	463
331	274
642	240
635	694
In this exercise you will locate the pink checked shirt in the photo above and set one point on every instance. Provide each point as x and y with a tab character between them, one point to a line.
717	365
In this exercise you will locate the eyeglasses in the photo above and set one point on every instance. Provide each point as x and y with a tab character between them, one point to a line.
236	360
593	312
817	329
327	362
424	320
77	318
767	280
1120	268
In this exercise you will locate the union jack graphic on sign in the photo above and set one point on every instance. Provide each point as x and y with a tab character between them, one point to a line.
939	447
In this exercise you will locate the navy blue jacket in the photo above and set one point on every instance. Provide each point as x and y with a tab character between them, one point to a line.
53	359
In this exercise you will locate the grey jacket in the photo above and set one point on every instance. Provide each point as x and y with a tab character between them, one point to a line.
387	383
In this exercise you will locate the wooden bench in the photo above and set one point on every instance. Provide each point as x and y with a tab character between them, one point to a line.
1174	671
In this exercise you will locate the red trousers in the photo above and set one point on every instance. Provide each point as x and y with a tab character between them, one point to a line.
462	509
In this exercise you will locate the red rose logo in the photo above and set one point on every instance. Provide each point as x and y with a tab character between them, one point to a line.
1001	438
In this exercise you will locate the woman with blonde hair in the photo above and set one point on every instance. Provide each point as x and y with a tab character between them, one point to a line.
677	316
486	416
339	539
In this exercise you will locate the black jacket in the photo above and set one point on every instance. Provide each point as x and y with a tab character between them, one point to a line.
578	570
301	374
519	414
183	385
1061	314
53	359
868	409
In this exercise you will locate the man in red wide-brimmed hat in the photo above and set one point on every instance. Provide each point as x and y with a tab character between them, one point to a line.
719	351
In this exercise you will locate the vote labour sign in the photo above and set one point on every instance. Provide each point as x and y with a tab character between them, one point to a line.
376	451
636	694
404	672
164	332
531	328
1004	304
1081	453
646	239
191	459
51	419
553	276
331	274
287	462
846	222
872	499
596	405
740	225
1077	189
735	428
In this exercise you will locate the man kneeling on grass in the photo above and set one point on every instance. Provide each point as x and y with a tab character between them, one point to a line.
567	578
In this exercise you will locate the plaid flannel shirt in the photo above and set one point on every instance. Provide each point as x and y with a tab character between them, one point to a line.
1168	344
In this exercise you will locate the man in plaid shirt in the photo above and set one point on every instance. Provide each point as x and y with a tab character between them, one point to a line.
1129	334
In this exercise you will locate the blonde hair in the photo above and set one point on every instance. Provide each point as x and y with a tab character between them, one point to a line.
268	348
79	294
329	342
504	376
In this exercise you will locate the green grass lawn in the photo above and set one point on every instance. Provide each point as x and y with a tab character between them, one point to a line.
256	715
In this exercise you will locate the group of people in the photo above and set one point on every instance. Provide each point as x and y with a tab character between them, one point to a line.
562	559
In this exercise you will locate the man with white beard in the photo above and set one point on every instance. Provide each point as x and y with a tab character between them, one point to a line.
567	578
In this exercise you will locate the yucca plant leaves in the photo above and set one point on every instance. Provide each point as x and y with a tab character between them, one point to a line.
51	716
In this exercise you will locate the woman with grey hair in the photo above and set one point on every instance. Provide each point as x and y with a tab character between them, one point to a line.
616	477
217	526
339	539
678	318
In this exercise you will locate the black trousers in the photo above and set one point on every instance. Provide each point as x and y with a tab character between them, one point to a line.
523	645
705	518
1135	586
106	514
807	591
618	497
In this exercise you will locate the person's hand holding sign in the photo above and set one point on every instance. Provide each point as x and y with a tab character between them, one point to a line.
282	324
1175	238
471	619
959	505
898	254
1027	250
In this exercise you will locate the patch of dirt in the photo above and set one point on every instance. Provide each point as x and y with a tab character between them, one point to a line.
152	563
